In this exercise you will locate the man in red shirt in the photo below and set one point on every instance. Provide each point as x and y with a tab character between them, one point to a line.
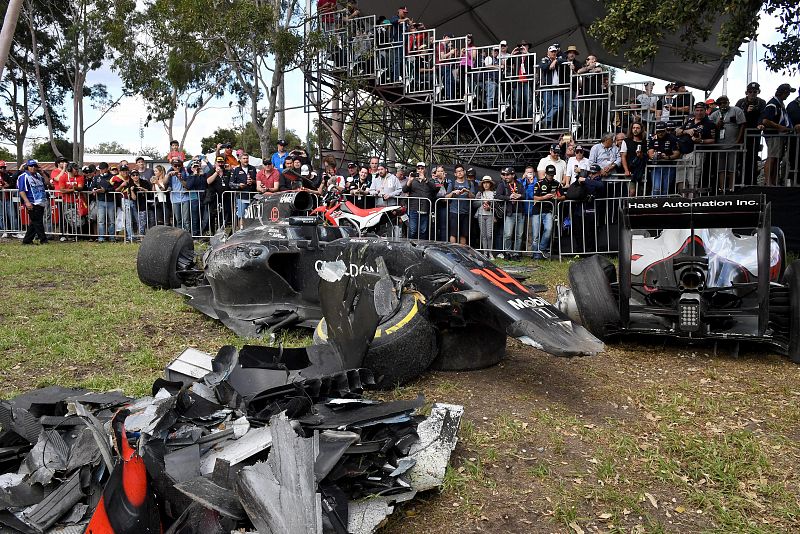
268	178
70	185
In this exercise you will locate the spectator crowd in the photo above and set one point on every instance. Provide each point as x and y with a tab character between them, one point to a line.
656	146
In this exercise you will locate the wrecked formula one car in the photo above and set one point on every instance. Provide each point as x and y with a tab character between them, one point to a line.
708	268
260	438
436	299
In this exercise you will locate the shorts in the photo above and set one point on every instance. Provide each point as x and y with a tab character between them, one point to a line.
774	146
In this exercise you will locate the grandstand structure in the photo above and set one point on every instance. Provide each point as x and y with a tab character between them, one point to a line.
431	95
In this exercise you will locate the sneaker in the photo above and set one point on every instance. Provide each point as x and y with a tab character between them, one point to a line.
20	236
63	239
501	256
4	236
538	256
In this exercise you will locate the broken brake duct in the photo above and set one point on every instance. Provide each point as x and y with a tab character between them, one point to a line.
201	455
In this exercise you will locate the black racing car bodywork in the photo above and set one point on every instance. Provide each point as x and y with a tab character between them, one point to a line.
704	268
268	274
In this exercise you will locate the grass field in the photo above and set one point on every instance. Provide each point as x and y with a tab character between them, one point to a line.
642	438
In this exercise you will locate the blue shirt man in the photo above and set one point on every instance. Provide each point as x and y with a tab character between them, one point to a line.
279	157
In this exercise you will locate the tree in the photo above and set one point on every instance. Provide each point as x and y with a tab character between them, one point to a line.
109	147
82	45
621	29
26	103
174	68
151	152
5	154
45	152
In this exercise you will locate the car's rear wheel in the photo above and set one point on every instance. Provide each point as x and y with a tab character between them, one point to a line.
403	347
791	277
165	250
590	280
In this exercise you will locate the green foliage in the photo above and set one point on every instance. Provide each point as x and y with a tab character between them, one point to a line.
44	152
109	147
623	29
246	139
5	155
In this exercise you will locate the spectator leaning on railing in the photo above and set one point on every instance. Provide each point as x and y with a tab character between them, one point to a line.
662	152
546	193
697	130
424	190
730	124
511	193
775	122
606	154
8	212
102	190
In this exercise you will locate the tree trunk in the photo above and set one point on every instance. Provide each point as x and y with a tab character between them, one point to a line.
282	110
39	82
7	33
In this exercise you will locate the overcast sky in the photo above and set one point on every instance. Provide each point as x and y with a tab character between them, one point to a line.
122	123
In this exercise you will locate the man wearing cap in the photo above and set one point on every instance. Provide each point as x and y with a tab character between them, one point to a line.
729	122
268	179
226	151
352	173
662	152
422	192
217	183
775	121
102	189
279	157
8	214
243	181
385	187
752	105
33	197
553	158
144	172
575	165
546	193
129	205
552	73
696	130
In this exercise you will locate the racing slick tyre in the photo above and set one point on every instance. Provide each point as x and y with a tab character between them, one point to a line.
791	277
403	347
164	251
469	348
590	280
